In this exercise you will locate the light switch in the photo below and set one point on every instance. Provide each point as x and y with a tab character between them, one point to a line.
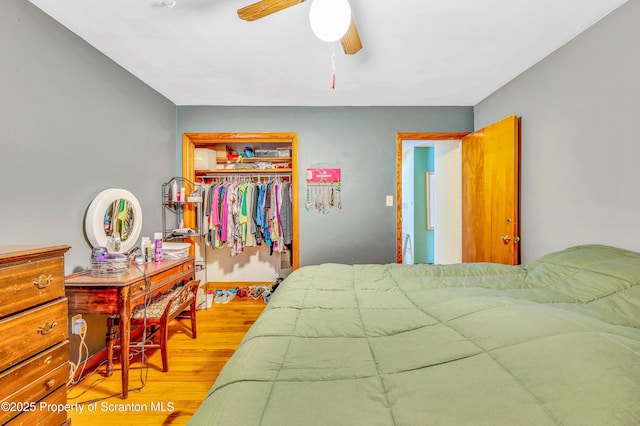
389	200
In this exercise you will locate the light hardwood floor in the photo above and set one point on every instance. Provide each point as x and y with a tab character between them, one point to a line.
167	398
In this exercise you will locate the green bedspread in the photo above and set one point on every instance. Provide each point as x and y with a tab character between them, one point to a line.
556	341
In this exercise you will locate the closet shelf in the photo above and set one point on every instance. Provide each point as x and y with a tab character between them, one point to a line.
243	171
224	160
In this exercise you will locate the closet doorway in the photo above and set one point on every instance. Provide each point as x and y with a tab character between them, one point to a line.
421	237
256	265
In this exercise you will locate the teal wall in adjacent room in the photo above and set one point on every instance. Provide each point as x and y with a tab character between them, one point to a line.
423	163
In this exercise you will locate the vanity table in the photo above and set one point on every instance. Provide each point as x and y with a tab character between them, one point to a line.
119	295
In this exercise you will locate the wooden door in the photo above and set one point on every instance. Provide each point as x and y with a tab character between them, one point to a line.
491	193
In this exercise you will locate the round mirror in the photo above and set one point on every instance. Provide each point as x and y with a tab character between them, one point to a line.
114	210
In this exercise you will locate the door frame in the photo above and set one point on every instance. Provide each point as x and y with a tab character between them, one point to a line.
413	136
191	140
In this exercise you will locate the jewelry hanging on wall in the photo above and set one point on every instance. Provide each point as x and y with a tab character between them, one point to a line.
319	200
307	203
323	190
323	198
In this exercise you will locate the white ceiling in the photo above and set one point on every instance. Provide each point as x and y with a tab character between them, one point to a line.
416	52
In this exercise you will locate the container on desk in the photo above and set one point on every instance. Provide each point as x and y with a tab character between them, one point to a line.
175	250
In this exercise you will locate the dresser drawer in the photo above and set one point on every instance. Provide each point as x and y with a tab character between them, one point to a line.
27	333
48	416
29	283
164	281
34	378
170	274
188	266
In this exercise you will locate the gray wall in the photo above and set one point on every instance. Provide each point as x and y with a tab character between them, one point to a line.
580	147
359	140
72	123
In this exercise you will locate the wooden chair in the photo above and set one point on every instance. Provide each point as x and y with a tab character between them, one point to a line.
159	311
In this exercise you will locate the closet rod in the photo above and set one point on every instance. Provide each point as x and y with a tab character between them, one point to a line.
237	176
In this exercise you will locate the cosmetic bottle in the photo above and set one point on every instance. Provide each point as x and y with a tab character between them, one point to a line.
182	195
157	247
145	244
110	244
116	242
173	197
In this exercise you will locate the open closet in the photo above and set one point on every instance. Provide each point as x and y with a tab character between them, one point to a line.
250	205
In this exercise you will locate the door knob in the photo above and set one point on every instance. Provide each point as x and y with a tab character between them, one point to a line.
505	239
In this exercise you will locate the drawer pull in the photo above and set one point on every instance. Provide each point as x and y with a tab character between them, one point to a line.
42	281
47	327
50	383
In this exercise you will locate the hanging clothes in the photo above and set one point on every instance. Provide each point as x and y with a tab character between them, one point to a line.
286	213
241	213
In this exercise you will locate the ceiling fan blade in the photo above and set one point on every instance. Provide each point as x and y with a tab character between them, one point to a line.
351	42
265	7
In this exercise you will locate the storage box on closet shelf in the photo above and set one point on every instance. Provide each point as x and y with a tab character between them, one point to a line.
266	152
205	159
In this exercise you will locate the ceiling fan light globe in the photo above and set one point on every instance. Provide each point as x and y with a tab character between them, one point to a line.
330	19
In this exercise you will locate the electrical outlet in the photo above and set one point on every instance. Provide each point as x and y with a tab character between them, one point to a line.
389	201
77	324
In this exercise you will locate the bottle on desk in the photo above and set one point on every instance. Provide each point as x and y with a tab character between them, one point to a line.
117	242
110	244
157	247
147	249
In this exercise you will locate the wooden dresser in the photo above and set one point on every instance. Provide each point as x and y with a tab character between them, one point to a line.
34	345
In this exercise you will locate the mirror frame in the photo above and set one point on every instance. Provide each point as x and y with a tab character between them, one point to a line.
94	221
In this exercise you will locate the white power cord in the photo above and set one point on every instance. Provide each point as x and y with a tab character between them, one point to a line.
81	330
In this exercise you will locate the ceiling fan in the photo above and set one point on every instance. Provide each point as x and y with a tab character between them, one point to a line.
350	41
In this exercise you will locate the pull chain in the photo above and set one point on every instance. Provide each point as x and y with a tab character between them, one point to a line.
333	67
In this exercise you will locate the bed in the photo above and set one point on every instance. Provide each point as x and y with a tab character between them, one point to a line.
556	341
